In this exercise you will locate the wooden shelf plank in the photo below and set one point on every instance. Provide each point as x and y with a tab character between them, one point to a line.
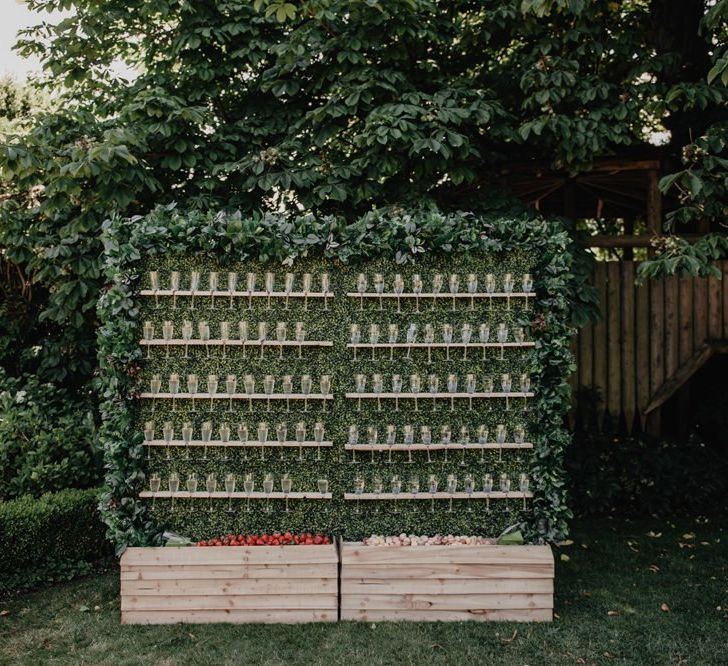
472	446
438	345
237	294
274	443
442	296
178	342
421	396
236	396
478	495
221	494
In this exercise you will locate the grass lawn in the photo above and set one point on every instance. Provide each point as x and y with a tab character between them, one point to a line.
644	592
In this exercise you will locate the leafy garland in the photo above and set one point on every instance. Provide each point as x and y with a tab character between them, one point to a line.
275	238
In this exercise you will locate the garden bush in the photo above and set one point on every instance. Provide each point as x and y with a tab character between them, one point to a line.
54	537
48	439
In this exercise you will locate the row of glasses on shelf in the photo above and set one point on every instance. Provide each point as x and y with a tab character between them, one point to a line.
225	330
249	386
193	286
429	339
433	388
426	439
451	487
472	285
243	432
173	484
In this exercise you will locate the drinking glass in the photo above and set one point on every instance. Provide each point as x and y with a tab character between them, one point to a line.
411	337
154	282
396	487
243	439
506	385
500	438
358	490
414	488
224	439
447	339
432	487
525	388
470	388
398	289
318	437
472	288
323	486
519	334
212	384
269	383
415	386
187	437
452	486
194	287
353	440
482	441
490	289
167	334
426	437
361	287
417	290
433	382
437	282
445	438
287	387
300	438
519	434
232	284
282	436
149	437
281	336
372	437
173	485
452	388
454	284
377	487
325	289
307	283
508	288
230	489
192	488
325	387
148	334
429	339
378	388
397	390
262	438
373	337
300	337
262	336
487	489
469	487
505	483
502	336
154	484
231	384
268	484
206	433
211	487
156	387
203	330
391	438
270	283
286	485
187	335
392	335
212	281
466	334
243	334
361	383
527	283
355	336
288	288
248	487
305	389
523	487
379	288
250	288
249	387
408	435
174	388
464	441
484	335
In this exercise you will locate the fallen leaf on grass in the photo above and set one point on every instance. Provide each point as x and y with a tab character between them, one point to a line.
654	568
654	535
688	535
564	557
664	608
568	542
4	613
506	641
437	646
557	616
84	609
612	613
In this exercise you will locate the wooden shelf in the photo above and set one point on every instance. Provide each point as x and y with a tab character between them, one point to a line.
237	294
437	345
235	396
274	443
387	496
454	446
177	342
442	295
219	494
421	396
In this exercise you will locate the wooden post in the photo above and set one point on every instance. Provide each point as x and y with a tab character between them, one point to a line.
627	343
654	205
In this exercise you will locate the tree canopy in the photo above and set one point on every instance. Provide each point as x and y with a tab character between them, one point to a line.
330	106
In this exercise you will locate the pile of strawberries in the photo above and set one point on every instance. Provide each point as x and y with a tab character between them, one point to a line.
275	539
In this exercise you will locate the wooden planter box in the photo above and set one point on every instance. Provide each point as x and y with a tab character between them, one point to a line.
447	583
284	584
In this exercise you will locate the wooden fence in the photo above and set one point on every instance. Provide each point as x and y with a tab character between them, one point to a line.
649	342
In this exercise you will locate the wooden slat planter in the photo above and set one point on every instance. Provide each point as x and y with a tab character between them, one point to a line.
447	583
285	584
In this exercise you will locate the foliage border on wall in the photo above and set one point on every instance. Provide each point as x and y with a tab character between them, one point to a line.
275	238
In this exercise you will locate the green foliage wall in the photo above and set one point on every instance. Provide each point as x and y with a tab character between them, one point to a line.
167	239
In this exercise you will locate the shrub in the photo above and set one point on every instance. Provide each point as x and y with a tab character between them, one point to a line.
53	537
48	439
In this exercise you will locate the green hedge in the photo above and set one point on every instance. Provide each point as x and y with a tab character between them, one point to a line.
53	537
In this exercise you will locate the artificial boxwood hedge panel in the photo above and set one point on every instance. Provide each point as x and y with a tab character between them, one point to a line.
166	241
